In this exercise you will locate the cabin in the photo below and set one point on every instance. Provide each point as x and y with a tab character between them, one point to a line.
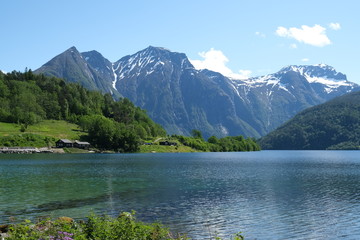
69	144
82	145
64	143
167	143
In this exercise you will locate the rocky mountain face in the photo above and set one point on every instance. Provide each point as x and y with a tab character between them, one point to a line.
181	98
90	69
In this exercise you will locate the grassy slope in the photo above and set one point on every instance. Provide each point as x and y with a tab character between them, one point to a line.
49	128
42	134
165	149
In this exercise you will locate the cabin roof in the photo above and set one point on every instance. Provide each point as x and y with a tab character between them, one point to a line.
65	141
82	143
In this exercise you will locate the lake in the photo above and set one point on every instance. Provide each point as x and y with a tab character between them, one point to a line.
265	195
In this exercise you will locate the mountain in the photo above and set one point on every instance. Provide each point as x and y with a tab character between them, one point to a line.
177	96
181	98
332	125
275	98
88	69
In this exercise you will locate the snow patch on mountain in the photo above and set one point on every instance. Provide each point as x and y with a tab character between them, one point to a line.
327	81
331	84
146	62
321	74
315	74
267	80
115	75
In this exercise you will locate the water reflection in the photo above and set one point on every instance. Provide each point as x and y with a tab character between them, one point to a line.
266	195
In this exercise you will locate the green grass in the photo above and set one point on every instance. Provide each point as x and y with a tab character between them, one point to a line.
42	134
49	128
156	148
165	149
75	150
26	140
7	129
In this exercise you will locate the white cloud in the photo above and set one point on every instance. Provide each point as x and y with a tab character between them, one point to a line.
216	61
305	60
315	36
244	74
294	46
335	26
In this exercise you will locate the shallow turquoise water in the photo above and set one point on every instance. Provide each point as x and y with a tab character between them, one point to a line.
265	195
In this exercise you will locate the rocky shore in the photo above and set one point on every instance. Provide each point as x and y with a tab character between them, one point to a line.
25	150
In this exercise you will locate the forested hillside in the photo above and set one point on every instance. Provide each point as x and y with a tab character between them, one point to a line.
332	125
26	99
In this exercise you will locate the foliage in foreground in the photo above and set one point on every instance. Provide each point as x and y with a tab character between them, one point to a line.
95	227
123	227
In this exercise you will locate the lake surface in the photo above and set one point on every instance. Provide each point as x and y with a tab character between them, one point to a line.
265	195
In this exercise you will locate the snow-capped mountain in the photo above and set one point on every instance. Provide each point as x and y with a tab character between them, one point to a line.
278	97
178	96
323	75
181	98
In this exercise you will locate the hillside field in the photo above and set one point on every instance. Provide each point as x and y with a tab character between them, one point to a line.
42	134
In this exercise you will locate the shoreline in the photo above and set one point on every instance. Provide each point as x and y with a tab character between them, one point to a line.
25	150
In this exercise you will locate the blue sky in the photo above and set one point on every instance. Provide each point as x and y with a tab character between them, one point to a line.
236	37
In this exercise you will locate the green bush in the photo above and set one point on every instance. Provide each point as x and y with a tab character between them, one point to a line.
26	140
123	227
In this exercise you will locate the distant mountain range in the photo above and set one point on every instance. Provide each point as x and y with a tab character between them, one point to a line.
182	98
331	125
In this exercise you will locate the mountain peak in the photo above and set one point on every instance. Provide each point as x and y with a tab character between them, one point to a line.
72	49
153	57
152	51
158	48
317	71
298	68
90	55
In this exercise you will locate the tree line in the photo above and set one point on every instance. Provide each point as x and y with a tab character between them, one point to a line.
214	144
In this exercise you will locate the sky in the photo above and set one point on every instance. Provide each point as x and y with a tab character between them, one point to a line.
239	38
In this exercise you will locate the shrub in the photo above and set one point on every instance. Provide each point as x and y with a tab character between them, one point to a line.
123	227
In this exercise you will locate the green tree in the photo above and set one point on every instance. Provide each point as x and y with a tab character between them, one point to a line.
124	111
213	140
196	134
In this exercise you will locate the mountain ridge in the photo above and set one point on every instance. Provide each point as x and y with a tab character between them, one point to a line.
182	98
